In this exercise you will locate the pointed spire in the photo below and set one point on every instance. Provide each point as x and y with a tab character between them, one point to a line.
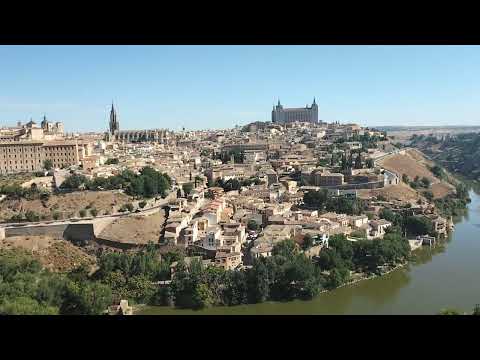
278	101
314	101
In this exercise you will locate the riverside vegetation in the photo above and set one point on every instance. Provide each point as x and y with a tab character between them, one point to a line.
26	288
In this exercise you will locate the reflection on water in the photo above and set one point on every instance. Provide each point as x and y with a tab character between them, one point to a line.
442	276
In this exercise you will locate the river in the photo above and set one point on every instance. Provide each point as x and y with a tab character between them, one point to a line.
444	276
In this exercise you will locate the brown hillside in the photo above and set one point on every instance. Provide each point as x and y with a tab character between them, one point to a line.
68	205
55	254
408	164
135	229
413	164
401	192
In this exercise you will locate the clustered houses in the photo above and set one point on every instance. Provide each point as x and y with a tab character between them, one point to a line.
247	186
240	191
231	226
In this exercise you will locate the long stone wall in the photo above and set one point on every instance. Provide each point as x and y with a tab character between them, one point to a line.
36	230
85	230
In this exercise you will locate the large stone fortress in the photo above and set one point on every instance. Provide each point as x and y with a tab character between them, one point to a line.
114	133
286	115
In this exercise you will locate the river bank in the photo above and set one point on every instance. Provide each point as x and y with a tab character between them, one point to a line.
444	276
143	309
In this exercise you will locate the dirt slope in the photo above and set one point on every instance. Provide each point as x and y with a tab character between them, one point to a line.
55	254
68	205
135	229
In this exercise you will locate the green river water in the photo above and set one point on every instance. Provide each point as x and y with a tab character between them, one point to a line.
444	276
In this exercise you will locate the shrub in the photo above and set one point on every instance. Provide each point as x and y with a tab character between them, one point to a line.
93	212
425	182
111	161
48	164
142	204
82	213
74	182
359	233
56	215
187	188
126	207
31	216
252	225
428	195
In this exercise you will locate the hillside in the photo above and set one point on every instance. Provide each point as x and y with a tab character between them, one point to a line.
55	254
66	205
459	154
414	164
135	229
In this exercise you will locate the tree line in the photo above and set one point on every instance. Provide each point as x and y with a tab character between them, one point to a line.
322	200
26	288
149	183
235	184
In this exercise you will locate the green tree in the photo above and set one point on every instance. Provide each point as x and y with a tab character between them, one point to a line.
26	306
316	199
82	213
86	298
308	242
252	225
48	164
428	195
258	282
31	216
418	225
198	180
74	182
287	248
337	277
187	188
425	182
111	161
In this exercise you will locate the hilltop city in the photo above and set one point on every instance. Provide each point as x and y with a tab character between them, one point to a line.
340	200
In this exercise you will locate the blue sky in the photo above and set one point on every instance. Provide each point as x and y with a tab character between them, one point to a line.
223	86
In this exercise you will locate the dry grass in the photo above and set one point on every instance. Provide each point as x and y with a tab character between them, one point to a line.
401	192
409	164
441	190
67	205
55	254
413	164
135	229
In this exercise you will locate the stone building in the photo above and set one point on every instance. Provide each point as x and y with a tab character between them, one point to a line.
325	178
114	133
31	131
29	156
287	115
